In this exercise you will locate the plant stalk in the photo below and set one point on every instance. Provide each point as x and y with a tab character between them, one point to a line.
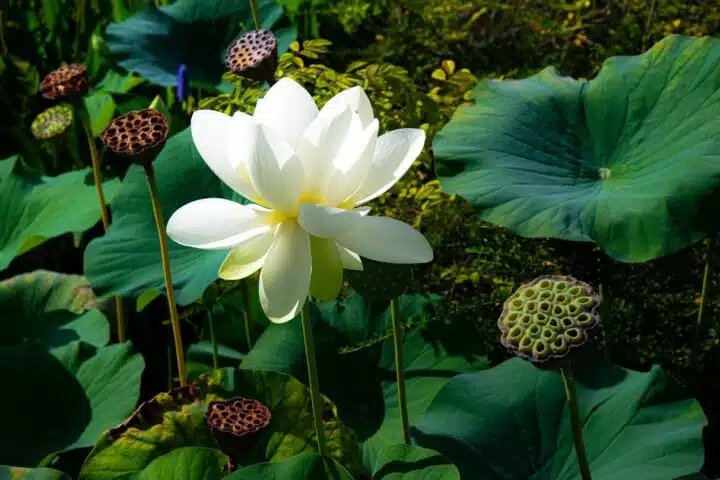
104	215
246	313
165	257
255	14
571	394
700	326
211	325
315	396
400	369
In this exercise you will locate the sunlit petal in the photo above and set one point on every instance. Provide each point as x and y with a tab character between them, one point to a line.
247	257
287	108
350	260
216	223
394	154
351	167
320	145
326	278
215	136
285	275
329	222
356	98
276	172
387	240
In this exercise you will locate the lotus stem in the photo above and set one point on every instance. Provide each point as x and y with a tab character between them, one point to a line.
255	14
604	319
165	257
315	396
400	368
246	313
571	394
211	326
701	326
104	215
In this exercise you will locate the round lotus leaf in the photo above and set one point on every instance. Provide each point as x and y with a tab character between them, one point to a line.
53	122
628	160
380	281
542	330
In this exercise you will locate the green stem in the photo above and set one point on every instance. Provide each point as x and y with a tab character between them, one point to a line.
315	397
400	369
211	325
104	215
571	394
246	313
701	327
255	14
3	45
165	257
604	319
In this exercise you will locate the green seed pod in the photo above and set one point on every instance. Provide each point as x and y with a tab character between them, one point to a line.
548	317
52	123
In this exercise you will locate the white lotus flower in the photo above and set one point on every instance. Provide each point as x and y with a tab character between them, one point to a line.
308	172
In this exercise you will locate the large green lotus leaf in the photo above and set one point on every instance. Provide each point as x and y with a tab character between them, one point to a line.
511	423
362	383
625	160
306	466
52	308
126	260
62	402
186	463
176	419
407	462
21	473
36	208
156	41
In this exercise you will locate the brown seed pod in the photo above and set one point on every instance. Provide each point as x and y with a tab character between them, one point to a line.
69	81
139	134
238	416
254	56
235	423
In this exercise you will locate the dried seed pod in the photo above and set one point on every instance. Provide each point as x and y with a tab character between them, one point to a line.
139	135
235	423
549	317
52	123
254	56
69	81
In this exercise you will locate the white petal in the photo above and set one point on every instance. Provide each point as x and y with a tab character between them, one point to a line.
287	108
351	167
387	240
285	275
350	260
329	222
327	276
394	154
216	223
320	145
356	98
247	258
276	172
214	135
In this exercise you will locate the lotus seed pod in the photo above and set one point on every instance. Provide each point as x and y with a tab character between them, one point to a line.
254	56
52	123
69	81
238	416
549	317
234	422
139	135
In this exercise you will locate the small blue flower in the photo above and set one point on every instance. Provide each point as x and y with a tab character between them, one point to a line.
183	88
